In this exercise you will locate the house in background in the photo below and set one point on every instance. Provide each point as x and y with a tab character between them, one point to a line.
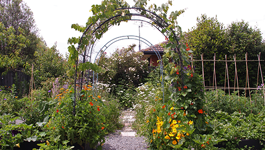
151	56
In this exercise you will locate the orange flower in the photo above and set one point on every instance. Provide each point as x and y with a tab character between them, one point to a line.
91	103
53	128
208	142
99	96
184	113
200	111
154	110
164	106
102	128
206	122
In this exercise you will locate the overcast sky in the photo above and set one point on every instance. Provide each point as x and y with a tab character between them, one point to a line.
55	17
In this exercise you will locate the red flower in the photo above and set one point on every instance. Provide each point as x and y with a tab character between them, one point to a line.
166	38
179	88
57	110
200	111
191	75
177	73
203	146
82	95
63	127
191	103
91	103
169	113
164	106
102	128
98	109
181	107
185	87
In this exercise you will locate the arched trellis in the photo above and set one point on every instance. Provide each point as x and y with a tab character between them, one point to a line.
94	27
131	37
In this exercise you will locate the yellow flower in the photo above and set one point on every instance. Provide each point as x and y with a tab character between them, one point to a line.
171	134
167	137
188	74
174	122
156	97
171	108
176	126
62	89
174	130
15	96
174	142
151	141
48	143
18	145
190	122
158	130
178	137
160	98
67	89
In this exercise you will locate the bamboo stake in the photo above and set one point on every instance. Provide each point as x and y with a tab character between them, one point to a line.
247	75
228	84
262	81
236	76
258	73
203	71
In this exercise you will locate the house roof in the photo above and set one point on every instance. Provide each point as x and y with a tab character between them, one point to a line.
157	47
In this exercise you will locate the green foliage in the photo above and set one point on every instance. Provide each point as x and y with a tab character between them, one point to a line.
218	100
11	45
35	107
9	103
18	15
209	36
12	134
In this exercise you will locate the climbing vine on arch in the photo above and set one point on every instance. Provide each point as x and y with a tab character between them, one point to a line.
184	98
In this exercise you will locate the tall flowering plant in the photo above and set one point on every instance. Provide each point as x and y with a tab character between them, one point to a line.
86	126
180	121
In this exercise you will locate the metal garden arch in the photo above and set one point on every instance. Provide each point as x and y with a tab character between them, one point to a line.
92	29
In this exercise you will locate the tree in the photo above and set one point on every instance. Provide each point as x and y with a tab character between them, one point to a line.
207	38
17	14
244	39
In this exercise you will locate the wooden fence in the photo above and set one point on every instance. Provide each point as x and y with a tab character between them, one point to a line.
16	77
227	85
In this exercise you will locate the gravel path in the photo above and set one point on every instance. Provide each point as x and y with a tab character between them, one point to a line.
125	138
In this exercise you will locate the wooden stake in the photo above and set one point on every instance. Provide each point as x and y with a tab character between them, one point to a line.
203	71
236	76
227	74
